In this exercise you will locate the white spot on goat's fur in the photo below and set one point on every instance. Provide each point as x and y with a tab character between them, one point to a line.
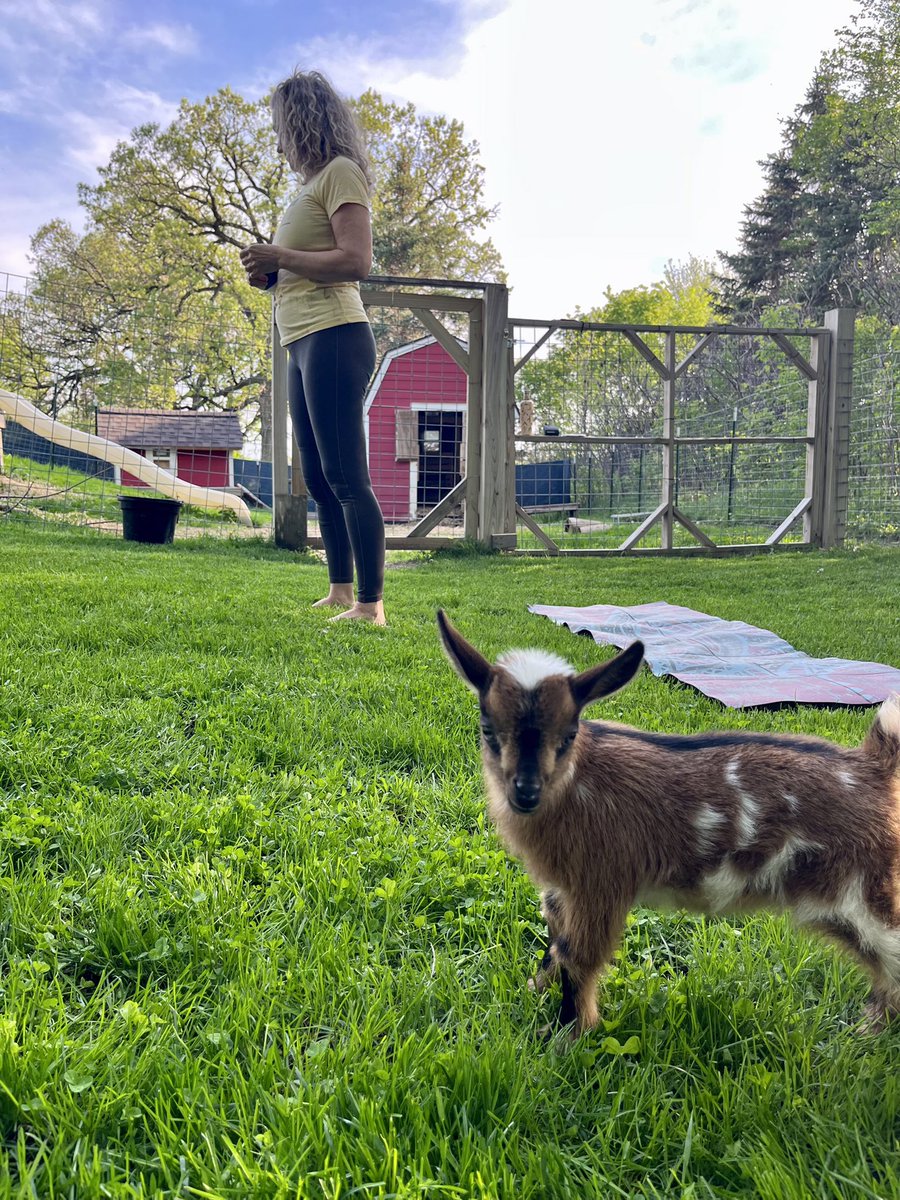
530	667
889	714
850	908
748	810
847	778
708	822
792	802
723	887
771	875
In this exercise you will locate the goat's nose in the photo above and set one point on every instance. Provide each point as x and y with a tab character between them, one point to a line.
528	792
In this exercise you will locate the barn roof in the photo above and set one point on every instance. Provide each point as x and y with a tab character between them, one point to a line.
398	352
153	427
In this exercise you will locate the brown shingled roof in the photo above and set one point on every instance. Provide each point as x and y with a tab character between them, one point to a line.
152	427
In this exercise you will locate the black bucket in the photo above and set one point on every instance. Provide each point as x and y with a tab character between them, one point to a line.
148	518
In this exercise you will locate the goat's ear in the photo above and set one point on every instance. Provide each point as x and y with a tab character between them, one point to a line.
471	666
598	682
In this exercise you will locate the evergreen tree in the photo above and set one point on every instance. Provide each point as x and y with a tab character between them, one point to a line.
824	231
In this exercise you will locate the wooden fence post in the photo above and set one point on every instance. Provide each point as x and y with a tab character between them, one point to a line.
840	323
667	523
817	430
288	508
474	420
498	512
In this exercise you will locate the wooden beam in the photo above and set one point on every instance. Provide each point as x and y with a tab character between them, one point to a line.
805	368
472	422
669	456
446	339
584	439
541	535
816	429
743	440
402	543
840	323
534	349
440	510
414	302
288	508
645	352
694	530
497	512
646	524
615	327
676	552
788	521
403	281
689	358
725	440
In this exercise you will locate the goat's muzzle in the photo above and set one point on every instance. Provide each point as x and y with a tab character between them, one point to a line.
525	795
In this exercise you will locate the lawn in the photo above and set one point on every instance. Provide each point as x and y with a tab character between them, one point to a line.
258	940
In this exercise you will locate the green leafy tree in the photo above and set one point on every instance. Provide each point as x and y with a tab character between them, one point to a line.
428	208
825	230
599	383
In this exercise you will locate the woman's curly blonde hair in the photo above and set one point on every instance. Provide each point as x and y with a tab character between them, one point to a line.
314	125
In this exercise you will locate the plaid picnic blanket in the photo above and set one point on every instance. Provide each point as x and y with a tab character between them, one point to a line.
739	664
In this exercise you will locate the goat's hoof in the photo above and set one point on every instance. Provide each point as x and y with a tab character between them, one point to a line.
875	1019
560	1037
541	981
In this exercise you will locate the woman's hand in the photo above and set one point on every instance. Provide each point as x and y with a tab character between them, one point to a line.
260	259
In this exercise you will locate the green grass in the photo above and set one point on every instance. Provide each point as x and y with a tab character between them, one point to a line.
257	938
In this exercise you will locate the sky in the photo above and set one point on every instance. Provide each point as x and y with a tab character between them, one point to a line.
616	135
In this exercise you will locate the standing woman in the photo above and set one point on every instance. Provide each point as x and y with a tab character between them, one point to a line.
321	249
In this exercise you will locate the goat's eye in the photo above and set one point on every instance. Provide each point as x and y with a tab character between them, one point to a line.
566	743
490	737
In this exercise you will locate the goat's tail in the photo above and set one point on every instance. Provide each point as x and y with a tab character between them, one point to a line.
883	739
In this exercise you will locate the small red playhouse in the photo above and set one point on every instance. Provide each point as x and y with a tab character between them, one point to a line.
416	428
198	447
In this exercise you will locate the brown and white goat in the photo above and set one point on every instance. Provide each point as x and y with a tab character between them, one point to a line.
604	816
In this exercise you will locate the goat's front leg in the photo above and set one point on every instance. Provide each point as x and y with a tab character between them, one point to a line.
552	912
581	953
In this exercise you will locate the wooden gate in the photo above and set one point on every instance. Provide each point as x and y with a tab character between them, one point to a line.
482	347
480	491
827	371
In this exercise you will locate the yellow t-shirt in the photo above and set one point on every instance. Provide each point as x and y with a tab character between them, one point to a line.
303	306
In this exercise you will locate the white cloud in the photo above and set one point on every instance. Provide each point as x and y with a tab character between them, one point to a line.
137	106
91	139
614	137
55	18
177	39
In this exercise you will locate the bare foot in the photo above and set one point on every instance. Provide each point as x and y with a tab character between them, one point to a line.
374	613
340	595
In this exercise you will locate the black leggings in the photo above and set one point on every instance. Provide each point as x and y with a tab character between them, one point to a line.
328	374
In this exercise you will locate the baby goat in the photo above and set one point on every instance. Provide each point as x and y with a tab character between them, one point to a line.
604	816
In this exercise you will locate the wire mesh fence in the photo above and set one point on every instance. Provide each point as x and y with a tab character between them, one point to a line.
874	474
576	385
191	395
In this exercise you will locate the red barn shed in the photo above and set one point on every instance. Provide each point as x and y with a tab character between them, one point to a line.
196	446
416	428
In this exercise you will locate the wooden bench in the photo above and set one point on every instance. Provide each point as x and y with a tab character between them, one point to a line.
616	518
570	510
